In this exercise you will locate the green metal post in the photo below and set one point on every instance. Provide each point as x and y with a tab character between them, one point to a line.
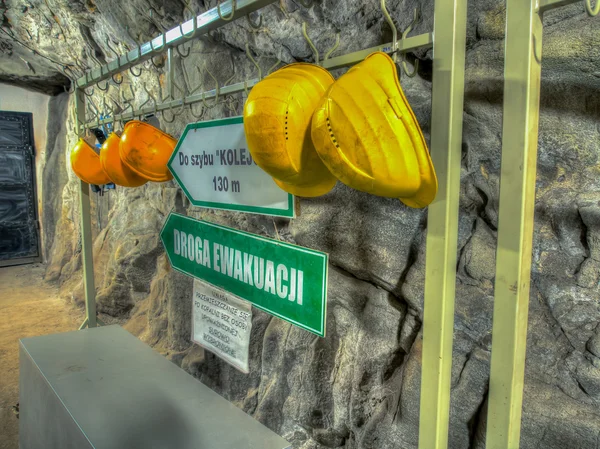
449	44
86	227
522	72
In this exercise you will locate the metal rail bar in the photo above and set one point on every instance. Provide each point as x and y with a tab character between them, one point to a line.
412	43
522	77
188	100
449	47
207	21
546	5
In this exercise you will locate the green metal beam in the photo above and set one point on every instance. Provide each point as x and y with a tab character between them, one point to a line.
205	22
545	5
442	223
522	72
86	230
421	41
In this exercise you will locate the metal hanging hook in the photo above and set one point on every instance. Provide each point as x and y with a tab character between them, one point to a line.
93	57
416	63
120	109
91	94
105	108
92	109
256	26
314	48
283	9
230	101
390	22
230	79
334	48
118	83
137	75
229	98
198	116
188	87
112	48
128	101
592	11
310	43
150	98
156	66
174	115
181	55
254	62
217	89
274	66
187	82
105	88
231	104
161	47
139	54
230	16
187	8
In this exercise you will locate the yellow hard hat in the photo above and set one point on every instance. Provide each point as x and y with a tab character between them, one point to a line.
114	167
146	150
277	119
367	135
86	164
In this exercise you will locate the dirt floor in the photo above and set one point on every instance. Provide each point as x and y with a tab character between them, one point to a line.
28	307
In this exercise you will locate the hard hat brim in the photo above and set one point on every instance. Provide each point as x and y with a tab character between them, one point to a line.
427	192
307	191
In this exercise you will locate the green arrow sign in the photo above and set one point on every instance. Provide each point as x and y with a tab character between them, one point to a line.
285	280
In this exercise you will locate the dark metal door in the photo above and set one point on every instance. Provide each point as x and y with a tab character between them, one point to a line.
19	237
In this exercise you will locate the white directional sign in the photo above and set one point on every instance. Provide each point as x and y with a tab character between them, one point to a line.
214	168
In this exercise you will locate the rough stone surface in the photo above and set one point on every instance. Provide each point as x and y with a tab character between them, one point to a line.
359	387
54	176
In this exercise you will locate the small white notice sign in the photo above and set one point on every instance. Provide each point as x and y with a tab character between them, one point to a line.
214	168
222	323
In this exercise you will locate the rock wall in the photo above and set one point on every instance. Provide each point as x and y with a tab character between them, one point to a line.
359	387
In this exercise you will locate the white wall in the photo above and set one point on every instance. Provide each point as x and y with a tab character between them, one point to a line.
21	100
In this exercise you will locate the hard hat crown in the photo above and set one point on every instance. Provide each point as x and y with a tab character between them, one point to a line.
367	135
111	162
86	164
146	151
277	119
